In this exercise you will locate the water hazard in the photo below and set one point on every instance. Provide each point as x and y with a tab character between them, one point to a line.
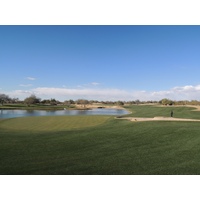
29	113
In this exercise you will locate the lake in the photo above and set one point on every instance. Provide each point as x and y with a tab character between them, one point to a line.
30	113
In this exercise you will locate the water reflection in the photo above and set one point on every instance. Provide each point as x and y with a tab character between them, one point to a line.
27	113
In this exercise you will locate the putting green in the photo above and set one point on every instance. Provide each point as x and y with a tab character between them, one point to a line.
58	123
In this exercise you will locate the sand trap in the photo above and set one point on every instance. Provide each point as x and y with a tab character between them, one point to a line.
138	119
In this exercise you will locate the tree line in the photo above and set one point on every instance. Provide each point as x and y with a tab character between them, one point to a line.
33	99
6	99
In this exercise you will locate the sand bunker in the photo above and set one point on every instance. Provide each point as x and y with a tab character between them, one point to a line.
138	119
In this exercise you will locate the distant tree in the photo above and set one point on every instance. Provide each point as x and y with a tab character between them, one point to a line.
31	100
53	102
93	101
15	100
45	101
4	98
50	101
120	103
195	102
182	102
131	102
82	102
69	102
166	102
108	102
137	101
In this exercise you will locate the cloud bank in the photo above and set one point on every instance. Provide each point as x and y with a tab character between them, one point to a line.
177	93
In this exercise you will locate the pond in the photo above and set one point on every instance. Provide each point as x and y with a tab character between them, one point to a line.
29	113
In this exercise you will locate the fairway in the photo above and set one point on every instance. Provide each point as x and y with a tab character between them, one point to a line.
50	124
101	145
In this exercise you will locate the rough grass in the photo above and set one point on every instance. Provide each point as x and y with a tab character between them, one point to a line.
108	147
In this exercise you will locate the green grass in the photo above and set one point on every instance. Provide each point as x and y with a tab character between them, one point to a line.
51	123
34	107
100	145
165	111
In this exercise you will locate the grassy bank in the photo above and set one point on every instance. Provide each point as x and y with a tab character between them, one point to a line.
100	145
34	107
165	111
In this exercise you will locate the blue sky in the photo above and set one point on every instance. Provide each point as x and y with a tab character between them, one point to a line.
100	62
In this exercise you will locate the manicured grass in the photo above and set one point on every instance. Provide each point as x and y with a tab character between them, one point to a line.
51	123
165	111
34	107
99	145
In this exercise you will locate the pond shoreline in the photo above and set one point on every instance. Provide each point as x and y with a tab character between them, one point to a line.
13	113
59	107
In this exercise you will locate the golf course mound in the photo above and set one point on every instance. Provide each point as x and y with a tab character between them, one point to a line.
142	119
52	123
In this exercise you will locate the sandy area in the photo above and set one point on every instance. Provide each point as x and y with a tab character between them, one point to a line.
138	119
197	108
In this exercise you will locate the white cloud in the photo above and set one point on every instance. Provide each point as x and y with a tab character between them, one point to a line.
25	85
89	85
187	92
95	83
30	78
176	93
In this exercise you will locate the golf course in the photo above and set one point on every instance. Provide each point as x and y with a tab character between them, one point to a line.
102	145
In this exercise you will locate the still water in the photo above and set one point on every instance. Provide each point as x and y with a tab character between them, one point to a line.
29	113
